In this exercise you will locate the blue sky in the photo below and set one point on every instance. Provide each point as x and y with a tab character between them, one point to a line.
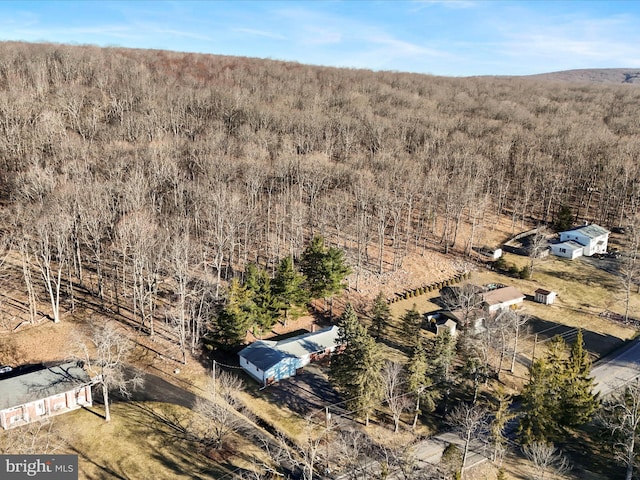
454	38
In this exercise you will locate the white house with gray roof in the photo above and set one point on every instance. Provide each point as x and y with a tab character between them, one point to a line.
593	239
569	249
35	395
269	361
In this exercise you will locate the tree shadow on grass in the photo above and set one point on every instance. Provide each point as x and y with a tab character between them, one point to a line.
608	282
107	471
596	343
176	447
587	457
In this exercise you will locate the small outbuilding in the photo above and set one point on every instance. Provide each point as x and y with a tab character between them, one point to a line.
492	253
269	361
446	325
544	296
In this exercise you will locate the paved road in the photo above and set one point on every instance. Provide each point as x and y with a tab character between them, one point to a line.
157	389
618	369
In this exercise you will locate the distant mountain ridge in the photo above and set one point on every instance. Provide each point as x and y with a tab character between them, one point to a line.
593	75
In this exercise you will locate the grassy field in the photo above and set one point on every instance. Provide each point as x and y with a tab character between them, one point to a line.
584	291
143	440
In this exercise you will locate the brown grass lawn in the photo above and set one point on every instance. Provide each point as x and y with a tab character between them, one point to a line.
143	441
583	293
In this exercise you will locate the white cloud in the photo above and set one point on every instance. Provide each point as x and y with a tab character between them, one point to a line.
259	33
454	4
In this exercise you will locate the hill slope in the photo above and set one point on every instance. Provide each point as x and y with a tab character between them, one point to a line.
594	75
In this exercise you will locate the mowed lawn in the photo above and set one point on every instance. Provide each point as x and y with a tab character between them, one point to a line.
584	292
143	440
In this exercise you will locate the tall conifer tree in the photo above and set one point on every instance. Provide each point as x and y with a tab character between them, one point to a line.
380	315
287	286
356	371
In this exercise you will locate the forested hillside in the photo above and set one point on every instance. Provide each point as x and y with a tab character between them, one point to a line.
126	166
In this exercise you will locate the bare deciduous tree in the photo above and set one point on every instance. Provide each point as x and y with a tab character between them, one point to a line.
620	418
218	417
537	247
396	397
36	438
50	244
546	459
105	351
470	421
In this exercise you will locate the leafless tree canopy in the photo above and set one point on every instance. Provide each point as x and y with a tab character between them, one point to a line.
105	351
221	415
546	459
138	176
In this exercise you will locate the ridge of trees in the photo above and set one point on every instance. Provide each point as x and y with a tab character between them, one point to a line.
109	158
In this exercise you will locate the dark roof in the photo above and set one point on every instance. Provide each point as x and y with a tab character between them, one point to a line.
542	291
40	384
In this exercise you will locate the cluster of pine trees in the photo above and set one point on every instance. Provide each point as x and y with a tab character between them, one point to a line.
258	302
559	395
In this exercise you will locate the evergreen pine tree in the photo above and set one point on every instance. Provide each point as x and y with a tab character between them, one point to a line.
538	422
474	368
500	419
380	315
264	306
440	356
564	219
287	287
419	383
579	402
370	387
235	319
325	269
311	264
356	371
336	270
559	393
411	323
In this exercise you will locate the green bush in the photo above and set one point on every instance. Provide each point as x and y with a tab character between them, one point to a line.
525	272
500	264
514	270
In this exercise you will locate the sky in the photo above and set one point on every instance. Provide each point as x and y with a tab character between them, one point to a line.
439	37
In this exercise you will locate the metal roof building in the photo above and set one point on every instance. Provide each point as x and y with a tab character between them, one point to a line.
269	361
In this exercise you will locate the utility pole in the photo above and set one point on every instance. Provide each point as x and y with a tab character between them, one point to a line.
213	375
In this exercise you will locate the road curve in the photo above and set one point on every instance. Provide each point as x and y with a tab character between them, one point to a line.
618	369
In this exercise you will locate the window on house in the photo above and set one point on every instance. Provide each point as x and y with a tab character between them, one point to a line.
563	250
15	419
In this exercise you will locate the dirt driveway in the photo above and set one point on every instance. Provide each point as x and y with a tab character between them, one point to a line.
308	393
